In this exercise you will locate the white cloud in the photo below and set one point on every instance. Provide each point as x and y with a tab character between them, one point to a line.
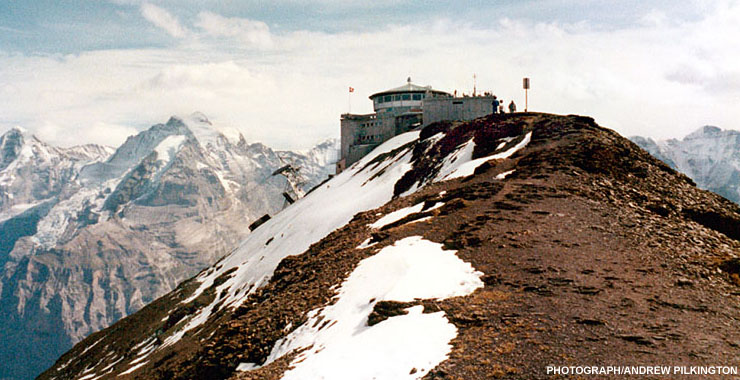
99	133
660	79
163	19
251	32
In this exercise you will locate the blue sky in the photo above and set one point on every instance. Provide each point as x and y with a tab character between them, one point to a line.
97	71
46	26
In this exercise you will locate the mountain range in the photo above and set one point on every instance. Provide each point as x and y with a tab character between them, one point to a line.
496	248
710	156
91	234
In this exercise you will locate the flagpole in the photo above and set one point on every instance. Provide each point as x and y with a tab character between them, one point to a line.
349	99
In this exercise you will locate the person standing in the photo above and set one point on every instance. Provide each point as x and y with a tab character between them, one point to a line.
512	107
495	104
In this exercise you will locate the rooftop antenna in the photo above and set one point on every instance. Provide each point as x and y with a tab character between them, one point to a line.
474	83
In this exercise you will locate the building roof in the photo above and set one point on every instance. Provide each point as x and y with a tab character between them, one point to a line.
408	88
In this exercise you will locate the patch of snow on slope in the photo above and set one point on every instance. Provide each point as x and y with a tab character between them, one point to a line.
456	159
402	213
310	219
347	348
467	166
168	148
366	244
132	369
505	174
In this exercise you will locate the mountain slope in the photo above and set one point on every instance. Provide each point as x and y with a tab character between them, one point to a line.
479	250
107	236
710	156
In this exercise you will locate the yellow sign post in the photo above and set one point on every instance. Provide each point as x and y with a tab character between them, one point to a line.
525	84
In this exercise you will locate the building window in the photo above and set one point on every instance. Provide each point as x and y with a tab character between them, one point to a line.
406	97
417	96
387	98
396	97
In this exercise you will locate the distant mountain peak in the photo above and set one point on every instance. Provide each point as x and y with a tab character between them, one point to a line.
709	156
205	131
18	129
707	130
199	117
112	229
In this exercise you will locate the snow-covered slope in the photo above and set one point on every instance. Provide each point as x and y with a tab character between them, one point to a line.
710	156
91	235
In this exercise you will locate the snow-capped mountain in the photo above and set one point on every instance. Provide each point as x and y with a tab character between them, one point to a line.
91	235
32	172
488	249
710	156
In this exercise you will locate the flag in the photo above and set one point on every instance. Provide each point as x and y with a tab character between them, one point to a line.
351	89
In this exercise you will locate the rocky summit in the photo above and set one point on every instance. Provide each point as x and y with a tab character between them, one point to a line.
488	249
91	234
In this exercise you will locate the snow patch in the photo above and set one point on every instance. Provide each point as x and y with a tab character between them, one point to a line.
168	148
347	348
402	213
366	244
505	174
132	369
466	166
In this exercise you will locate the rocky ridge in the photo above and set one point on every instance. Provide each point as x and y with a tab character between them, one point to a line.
585	249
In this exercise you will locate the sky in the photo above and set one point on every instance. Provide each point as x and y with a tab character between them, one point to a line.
96	71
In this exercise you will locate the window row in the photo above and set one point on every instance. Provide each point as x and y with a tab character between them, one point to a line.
395	98
368	138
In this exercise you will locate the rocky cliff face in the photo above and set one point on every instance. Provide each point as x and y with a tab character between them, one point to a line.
488	249
710	156
91	235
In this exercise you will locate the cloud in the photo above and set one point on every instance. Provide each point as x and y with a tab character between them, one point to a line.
163	20
288	88
251	32
98	133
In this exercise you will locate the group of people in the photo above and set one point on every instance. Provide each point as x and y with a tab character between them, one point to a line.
498	106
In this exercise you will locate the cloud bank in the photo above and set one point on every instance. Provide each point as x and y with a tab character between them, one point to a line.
658	77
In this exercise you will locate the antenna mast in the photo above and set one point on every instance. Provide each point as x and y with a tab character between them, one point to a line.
475	77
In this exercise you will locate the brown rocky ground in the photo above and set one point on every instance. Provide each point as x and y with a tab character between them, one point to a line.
593	253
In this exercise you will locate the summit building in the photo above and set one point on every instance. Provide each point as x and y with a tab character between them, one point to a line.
402	109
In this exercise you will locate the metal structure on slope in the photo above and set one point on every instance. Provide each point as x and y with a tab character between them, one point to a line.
294	182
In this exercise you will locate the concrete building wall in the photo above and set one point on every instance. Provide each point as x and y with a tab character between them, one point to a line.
362	133
351	127
465	108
